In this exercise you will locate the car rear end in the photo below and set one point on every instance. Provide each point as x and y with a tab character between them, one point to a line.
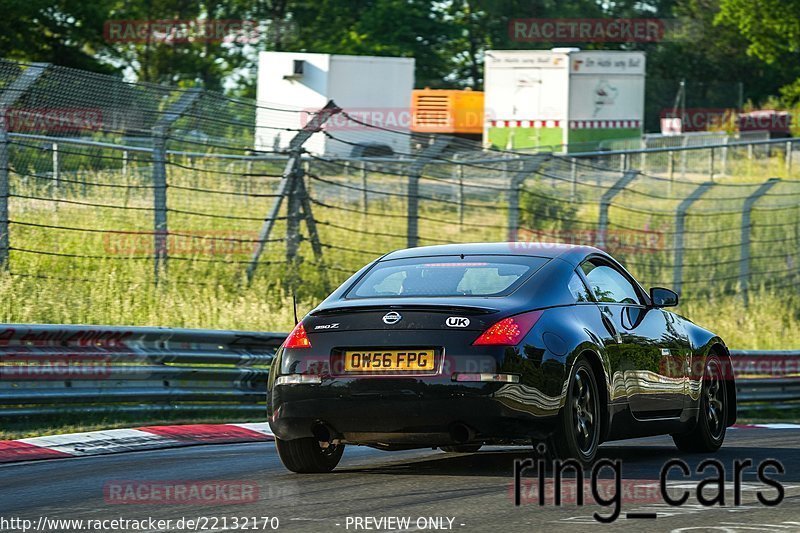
422	367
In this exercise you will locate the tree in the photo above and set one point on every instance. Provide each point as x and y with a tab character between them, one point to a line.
63	32
772	32
202	59
483	25
772	27
405	28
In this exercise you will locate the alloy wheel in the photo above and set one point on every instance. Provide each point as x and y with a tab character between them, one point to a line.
714	398
584	410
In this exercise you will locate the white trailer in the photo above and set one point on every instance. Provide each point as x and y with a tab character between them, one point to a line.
375	90
562	97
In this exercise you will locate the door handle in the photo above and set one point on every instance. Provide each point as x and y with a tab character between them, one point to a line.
606	316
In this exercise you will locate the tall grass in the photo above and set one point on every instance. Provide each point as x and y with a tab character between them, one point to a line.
204	285
771	322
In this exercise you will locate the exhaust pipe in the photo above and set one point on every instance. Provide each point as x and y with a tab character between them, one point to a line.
322	432
461	433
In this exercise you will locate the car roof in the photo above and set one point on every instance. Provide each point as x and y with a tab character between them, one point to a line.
570	253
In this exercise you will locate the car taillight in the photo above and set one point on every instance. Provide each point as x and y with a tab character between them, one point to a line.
509	331
297	338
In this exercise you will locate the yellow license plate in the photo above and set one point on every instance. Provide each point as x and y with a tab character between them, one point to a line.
410	360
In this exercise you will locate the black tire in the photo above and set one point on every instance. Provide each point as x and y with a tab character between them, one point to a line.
709	431
306	456
463	448
578	433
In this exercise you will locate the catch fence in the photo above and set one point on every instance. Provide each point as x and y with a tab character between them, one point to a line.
136	184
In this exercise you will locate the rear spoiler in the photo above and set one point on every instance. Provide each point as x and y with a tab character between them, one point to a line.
463	309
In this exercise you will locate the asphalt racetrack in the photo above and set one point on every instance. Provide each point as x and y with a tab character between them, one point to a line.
432	490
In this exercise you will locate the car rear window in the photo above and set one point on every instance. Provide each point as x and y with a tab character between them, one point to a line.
476	275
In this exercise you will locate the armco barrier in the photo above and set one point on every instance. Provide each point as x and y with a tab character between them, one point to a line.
767	379
52	369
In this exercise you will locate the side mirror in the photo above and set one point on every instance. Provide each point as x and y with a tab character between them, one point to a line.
662	297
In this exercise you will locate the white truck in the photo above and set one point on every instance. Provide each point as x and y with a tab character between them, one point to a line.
375	91
562	98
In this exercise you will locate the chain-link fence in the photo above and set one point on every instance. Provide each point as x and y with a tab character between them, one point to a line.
108	182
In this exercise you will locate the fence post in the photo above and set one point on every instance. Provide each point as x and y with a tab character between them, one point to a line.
680	223
248	167
364	192
574	180
711	164
160	132
56	166
311	224
605	203
8	97
529	165
788	158
4	191
671	169
431	151
684	155
460	173
289	186
744	261
724	171
159	199
293	212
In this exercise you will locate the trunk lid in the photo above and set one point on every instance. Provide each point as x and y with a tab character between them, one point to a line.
397	317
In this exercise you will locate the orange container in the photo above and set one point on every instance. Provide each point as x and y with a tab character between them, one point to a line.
447	111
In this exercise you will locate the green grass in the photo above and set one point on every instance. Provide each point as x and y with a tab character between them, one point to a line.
763	414
204	285
771	322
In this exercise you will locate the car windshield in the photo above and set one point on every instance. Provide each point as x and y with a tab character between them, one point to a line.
476	275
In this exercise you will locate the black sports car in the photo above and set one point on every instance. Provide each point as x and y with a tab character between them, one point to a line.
461	345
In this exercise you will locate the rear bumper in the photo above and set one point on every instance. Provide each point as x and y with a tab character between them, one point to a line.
412	413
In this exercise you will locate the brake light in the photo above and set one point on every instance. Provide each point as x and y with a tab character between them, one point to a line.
297	338
509	331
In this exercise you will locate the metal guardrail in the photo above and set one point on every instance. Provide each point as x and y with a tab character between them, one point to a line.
54	369
767	379
51	369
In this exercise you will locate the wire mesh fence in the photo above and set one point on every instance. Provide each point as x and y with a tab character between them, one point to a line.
134	185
